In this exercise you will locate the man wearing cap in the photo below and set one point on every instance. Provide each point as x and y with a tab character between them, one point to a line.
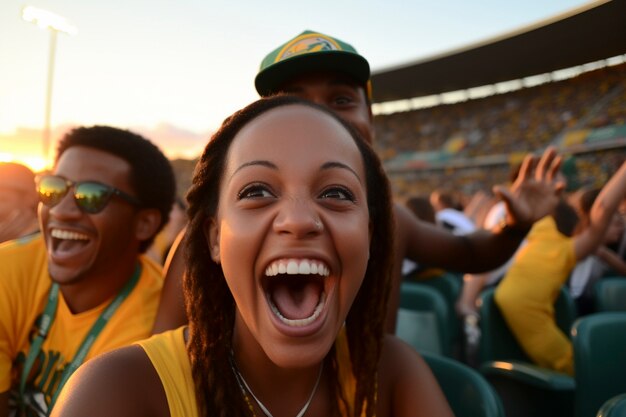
81	287
330	72
18	201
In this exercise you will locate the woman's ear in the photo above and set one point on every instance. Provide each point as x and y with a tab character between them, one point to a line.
212	232
147	224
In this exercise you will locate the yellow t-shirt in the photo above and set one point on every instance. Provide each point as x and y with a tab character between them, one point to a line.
24	288
169	357
527	293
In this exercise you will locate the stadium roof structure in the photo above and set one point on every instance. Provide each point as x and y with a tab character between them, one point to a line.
585	34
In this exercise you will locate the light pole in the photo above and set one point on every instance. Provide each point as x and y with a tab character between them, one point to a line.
55	24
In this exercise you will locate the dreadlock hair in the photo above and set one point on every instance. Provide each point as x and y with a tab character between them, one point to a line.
151	175
210	305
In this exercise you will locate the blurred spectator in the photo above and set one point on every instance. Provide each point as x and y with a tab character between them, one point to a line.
448	213
18	201
473	284
420	206
163	242
608	257
479	205
529	289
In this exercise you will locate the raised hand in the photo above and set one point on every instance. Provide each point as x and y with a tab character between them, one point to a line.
535	192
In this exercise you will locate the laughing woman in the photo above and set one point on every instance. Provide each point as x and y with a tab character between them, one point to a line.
289	248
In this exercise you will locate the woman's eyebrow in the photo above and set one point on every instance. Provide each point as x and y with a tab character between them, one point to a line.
264	163
271	165
335	164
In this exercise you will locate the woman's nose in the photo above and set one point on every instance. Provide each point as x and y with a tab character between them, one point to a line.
298	218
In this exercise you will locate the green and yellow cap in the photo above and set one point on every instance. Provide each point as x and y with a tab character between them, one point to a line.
307	52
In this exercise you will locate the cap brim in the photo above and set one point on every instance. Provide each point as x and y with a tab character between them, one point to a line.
270	80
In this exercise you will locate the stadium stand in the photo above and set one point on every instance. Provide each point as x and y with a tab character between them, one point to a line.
558	82
576	114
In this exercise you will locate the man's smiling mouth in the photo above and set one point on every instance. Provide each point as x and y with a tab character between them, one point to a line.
66	241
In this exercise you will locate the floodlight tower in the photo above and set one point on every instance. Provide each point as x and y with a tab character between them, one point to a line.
55	24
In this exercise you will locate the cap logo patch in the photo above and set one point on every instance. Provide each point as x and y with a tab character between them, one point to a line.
305	44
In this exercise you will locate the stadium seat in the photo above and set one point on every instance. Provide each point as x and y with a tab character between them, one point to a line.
610	294
525	389
599	360
614	407
422	319
529	390
450	287
468	393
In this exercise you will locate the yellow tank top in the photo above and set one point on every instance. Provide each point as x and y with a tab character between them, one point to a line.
169	357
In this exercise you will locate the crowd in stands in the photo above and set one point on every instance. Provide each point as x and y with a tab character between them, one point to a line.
507	124
529	118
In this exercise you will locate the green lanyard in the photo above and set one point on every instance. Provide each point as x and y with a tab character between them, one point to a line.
46	322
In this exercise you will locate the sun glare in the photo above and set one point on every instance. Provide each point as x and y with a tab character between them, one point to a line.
34	162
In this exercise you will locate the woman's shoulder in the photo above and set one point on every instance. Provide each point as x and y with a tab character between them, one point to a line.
399	361
122	382
407	386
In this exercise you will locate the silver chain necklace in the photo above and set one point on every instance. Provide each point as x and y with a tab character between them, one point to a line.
245	387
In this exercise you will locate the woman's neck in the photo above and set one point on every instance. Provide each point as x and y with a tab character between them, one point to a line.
282	390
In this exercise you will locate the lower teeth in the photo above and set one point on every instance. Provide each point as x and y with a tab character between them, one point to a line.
299	322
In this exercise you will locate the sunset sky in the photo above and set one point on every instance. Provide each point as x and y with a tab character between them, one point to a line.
173	70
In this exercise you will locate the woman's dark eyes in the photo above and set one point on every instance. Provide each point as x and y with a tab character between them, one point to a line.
254	191
338	193
258	191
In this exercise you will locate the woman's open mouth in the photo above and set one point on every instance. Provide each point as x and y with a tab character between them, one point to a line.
296	290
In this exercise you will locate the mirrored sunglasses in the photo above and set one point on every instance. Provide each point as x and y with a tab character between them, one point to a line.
90	196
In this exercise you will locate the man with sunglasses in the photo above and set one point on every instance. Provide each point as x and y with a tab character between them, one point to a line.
82	287
330	72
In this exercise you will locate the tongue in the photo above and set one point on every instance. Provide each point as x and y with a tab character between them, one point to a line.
67	247
296	301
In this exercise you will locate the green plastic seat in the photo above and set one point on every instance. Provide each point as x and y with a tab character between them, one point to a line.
610	294
599	342
449	286
525	389
614	407
467	392
422	319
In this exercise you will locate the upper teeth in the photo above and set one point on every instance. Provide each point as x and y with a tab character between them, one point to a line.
293	267
66	234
